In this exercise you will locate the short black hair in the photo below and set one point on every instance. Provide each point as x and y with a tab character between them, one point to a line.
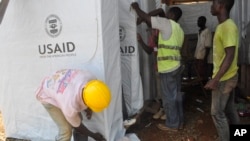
228	4
177	12
203	19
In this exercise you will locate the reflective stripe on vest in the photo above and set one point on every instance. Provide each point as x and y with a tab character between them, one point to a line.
176	58
169	47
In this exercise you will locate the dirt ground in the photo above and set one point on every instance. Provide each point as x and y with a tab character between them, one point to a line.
2	137
198	124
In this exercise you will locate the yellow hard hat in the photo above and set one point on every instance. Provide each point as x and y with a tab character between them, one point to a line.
96	95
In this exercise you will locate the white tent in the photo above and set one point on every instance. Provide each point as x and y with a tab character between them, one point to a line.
131	78
38	38
86	37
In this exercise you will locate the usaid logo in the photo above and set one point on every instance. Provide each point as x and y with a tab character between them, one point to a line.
122	33
126	50
53	26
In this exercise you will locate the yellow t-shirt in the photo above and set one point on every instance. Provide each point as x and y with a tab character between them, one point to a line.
226	35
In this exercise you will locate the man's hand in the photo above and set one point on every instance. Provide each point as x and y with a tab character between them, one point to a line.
139	21
98	137
88	113
135	5
212	84
82	129
139	38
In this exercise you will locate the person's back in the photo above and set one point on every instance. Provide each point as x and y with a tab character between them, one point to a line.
170	41
169	50
65	94
64	88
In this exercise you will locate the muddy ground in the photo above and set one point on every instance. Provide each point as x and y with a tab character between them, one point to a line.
198	125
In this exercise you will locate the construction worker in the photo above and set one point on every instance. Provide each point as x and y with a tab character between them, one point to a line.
170	41
67	93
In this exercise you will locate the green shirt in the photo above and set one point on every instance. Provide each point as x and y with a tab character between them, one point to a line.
226	35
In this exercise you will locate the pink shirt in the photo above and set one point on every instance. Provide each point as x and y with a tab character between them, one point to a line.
63	89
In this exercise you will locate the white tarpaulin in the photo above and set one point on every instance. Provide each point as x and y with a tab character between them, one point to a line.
131	78
191	12
40	37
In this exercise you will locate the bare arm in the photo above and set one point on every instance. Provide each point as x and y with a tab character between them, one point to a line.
82	129
224	67
157	12
145	47
142	15
226	62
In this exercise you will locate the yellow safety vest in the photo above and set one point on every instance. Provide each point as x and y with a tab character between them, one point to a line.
168	56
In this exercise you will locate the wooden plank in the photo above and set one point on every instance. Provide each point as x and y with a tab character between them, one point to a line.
187	1
172	2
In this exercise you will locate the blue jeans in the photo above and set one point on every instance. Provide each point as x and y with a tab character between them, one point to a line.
223	109
65	129
172	98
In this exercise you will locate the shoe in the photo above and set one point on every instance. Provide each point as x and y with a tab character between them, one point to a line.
158	114
163	117
165	128
193	77
185	78
129	122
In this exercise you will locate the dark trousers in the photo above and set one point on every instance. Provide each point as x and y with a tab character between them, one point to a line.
79	137
200	67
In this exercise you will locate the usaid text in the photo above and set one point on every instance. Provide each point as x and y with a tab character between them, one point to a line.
67	47
127	50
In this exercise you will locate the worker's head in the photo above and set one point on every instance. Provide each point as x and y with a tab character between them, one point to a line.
201	21
174	13
219	5
96	95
